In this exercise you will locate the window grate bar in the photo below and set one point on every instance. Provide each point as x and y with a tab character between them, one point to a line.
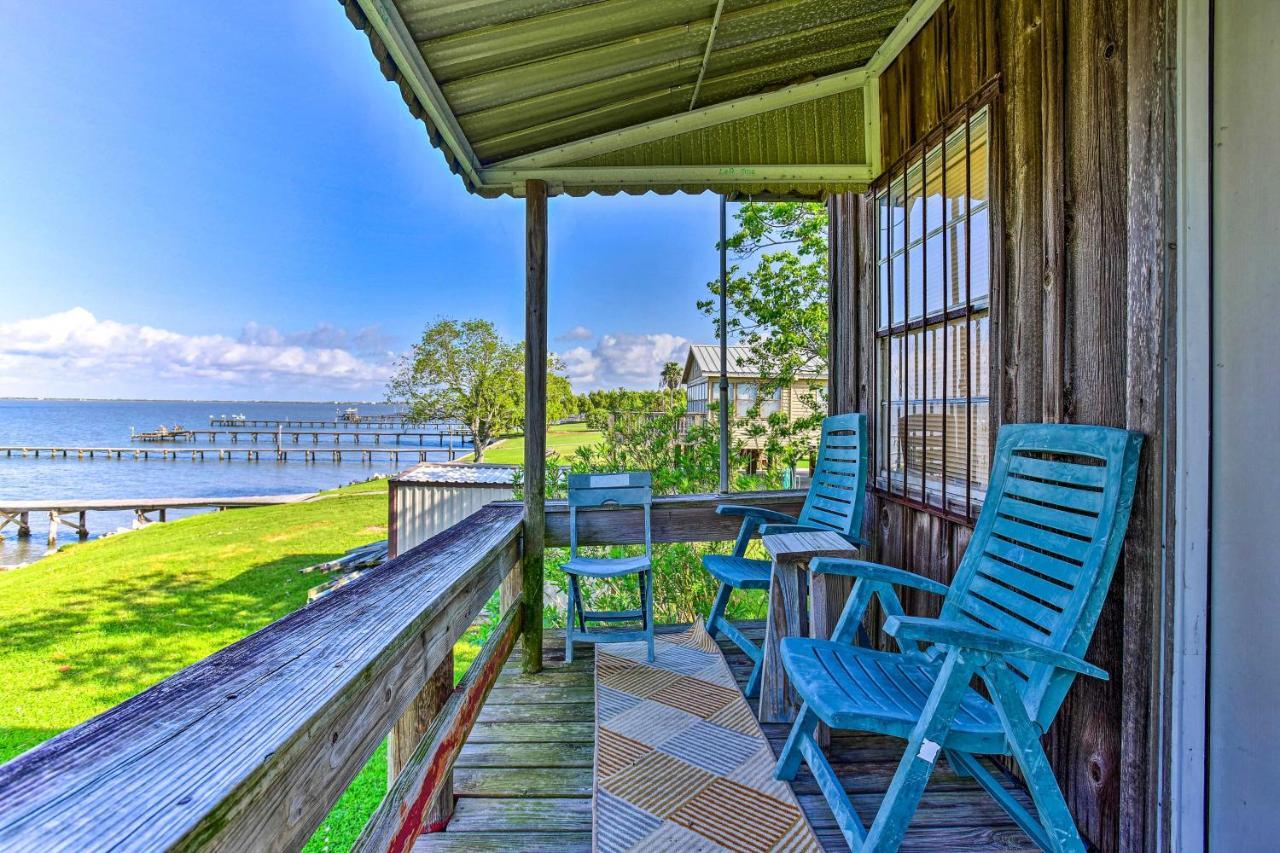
968	318
922	348
946	275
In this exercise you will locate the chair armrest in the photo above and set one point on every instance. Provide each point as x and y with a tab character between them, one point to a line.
975	637
875	572
766	515
772	528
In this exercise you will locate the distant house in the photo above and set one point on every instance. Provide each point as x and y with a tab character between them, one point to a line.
702	380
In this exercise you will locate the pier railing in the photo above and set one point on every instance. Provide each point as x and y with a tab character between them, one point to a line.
251	747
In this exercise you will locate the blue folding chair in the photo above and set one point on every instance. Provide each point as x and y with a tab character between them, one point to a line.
1018	617
835	502
613	490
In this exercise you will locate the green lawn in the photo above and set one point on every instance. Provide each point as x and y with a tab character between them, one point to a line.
87	628
564	439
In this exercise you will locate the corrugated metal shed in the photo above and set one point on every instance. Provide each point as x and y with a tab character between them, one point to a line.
704	360
431	497
737	96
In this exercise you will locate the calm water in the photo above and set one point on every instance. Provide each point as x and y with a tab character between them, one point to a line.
107	424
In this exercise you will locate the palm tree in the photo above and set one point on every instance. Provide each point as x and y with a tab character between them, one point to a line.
671	376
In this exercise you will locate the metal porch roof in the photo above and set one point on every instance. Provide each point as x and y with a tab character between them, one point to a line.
737	96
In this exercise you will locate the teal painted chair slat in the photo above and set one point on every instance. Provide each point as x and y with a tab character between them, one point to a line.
835	502
633	488
1018	618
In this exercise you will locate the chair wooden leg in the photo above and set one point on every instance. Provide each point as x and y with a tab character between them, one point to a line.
789	760
568	622
926	740
753	682
1060	834
965	764
646	584
802	744
718	609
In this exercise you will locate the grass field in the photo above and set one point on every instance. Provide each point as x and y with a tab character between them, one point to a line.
87	628
563	439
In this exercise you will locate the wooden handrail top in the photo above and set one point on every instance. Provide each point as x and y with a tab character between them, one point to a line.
676	518
250	747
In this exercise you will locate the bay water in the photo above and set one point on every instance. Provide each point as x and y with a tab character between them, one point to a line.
107	423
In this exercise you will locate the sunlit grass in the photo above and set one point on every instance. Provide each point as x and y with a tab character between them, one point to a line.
100	621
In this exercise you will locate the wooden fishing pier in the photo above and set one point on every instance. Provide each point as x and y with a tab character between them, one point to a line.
279	453
295	436
365	422
74	513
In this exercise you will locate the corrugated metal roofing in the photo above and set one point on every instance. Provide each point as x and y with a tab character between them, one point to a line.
520	79
465	474
705	358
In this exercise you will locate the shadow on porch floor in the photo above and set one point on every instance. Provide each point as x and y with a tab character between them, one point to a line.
523	780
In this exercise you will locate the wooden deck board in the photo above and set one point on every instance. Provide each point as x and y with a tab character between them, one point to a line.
523	780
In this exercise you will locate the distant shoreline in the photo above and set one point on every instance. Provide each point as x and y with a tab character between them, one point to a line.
189	400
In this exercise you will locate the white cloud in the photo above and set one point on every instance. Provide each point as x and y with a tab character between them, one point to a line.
73	353
622	360
577	333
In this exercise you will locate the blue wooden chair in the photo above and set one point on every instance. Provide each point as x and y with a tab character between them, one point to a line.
835	501
598	490
1018	616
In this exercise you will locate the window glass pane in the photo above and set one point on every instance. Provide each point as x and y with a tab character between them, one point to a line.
980	246
897	205
882	214
955	179
956	264
886	293
978	172
897	275
935	276
933	208
915	281
915	203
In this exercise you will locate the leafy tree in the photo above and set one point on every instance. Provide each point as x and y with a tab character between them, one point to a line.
778	304
463	370
777	298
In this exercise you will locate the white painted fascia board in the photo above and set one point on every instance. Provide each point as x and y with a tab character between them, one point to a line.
612	176
385	19
698	119
871	124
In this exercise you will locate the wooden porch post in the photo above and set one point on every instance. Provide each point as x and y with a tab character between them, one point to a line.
535	419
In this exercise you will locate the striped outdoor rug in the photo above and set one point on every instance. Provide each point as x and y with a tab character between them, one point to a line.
681	763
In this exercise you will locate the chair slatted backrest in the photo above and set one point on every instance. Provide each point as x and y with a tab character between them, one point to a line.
1045	546
629	488
838	492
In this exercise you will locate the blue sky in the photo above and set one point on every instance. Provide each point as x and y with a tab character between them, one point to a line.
228	200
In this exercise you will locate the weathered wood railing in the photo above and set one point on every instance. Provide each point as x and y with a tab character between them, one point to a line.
251	747
679	518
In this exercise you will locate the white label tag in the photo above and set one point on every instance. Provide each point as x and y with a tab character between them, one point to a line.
604	481
928	751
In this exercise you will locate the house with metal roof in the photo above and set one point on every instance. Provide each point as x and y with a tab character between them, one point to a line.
752	399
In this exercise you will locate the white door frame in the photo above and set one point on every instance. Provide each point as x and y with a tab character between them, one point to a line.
1188	804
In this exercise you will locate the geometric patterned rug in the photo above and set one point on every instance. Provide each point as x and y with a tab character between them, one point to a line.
681	763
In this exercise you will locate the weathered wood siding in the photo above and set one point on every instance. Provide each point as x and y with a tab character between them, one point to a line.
1064	310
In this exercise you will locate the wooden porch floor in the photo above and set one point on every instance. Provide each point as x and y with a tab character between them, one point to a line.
523	780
